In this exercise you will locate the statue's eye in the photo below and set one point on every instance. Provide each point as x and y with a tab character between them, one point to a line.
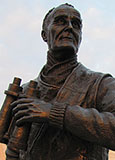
76	24
60	21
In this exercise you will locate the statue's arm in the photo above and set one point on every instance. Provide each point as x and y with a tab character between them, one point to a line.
94	125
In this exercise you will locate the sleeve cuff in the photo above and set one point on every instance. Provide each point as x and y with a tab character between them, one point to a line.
57	115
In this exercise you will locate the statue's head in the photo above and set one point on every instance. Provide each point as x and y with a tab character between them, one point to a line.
62	29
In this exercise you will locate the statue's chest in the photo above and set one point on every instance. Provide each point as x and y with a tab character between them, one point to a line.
58	145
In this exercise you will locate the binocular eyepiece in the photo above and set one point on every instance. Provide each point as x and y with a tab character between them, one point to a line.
12	94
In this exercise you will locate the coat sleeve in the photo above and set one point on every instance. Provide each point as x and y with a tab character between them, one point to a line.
95	125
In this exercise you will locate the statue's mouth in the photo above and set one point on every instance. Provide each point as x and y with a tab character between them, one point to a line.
66	38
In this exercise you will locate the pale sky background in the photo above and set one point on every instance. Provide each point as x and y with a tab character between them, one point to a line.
23	52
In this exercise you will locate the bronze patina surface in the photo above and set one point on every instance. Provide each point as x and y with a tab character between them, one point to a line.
70	111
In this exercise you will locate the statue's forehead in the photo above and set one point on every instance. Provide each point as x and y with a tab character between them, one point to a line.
65	11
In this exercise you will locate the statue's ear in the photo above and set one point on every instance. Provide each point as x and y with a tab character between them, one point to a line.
43	34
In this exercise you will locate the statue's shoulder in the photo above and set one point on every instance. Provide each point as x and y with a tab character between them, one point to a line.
86	77
83	71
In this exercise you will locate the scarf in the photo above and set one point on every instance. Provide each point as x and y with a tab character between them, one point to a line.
55	73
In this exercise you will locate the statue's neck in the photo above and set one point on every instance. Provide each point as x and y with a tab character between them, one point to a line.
56	72
60	58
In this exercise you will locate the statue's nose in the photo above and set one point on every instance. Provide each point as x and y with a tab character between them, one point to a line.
69	26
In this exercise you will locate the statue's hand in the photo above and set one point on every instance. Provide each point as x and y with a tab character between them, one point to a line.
30	110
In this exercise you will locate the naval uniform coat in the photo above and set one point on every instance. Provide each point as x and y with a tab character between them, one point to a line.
82	119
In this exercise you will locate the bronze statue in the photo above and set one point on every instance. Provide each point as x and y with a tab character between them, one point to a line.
68	111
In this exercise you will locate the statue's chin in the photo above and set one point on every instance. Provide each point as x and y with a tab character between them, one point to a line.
63	53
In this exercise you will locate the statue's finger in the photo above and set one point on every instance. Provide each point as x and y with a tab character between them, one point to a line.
21	101
20	107
20	114
23	120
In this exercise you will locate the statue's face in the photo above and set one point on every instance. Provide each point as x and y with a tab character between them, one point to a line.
64	29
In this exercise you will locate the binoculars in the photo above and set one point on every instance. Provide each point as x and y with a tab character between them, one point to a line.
9	132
